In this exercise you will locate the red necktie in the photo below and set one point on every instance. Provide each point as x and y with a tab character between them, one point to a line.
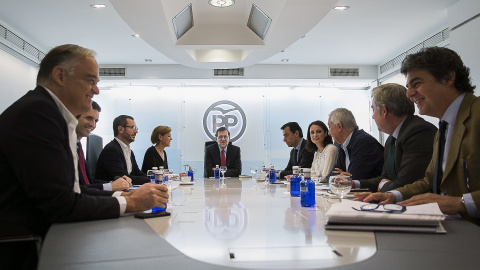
81	162
223	160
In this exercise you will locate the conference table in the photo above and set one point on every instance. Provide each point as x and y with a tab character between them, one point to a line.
247	224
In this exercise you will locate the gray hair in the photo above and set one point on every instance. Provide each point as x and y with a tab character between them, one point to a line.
66	56
394	97
344	116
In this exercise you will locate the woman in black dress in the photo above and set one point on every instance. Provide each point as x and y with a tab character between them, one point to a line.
155	156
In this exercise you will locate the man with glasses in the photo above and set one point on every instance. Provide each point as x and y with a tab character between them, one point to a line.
223	153
116	158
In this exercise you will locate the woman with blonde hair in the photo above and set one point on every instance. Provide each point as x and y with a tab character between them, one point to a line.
155	156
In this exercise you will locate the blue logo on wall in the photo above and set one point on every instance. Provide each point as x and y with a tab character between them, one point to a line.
227	114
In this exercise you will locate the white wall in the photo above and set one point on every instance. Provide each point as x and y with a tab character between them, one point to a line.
266	110
465	39
16	79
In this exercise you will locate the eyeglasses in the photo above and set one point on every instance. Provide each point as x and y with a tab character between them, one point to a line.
222	137
132	127
387	208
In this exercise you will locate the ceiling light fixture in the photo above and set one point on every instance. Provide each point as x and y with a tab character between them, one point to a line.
221	3
341	7
98	6
136	35
284	60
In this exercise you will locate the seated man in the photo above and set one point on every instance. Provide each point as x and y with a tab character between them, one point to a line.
223	153
86	124
116	158
38	164
360	155
439	83
409	147
299	156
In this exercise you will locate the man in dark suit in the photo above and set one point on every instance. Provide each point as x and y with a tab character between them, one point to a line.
223	153
299	156
38	162
116	158
360	155
409	147
86	124
439	83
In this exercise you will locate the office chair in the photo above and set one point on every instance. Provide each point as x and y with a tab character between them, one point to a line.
94	148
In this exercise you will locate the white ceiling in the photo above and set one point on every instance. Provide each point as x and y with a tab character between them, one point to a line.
370	32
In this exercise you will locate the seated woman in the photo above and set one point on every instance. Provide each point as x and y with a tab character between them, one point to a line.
325	153
155	156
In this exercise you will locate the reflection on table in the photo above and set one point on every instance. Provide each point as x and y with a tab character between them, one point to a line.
244	223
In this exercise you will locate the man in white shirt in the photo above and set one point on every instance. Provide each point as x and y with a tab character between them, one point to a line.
38	157
116	158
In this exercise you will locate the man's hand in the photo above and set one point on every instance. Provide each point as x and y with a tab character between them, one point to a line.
120	184
448	205
375	197
383	180
146	197
341	172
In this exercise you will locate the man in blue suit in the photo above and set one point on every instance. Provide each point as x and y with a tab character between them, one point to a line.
116	158
86	124
360	155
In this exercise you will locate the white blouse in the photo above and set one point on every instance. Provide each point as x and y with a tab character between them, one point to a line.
323	161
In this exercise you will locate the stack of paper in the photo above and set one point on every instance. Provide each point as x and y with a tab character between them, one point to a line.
418	218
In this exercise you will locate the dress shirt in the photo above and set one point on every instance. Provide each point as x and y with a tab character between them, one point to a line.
72	125
450	116
344	147
127	153
299	145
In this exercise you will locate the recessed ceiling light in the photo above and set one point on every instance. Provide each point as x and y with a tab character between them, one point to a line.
284	60
221	3
136	35
148	60
341	7
98	6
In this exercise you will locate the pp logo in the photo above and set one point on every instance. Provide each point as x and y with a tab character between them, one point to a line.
226	114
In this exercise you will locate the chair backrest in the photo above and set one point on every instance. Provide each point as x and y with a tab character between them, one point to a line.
94	148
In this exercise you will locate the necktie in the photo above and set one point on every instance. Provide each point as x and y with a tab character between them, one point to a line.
81	162
223	159
391	159
437	178
295	153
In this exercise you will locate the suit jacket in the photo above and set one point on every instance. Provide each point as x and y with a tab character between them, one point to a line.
413	152
111	163
305	160
366	156
153	159
464	150
37	173
232	159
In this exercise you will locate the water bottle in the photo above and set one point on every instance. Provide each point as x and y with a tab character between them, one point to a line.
190	173
153	179
295	182
307	190
273	175
217	171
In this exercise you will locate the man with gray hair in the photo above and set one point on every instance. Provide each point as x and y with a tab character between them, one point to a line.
409	147
360	155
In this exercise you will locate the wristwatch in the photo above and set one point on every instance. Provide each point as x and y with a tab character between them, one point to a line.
463	200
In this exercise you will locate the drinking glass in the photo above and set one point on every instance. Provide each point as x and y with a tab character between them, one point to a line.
254	171
170	185
223	169
340	185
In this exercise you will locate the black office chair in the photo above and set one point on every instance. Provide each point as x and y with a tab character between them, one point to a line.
94	148
20	252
